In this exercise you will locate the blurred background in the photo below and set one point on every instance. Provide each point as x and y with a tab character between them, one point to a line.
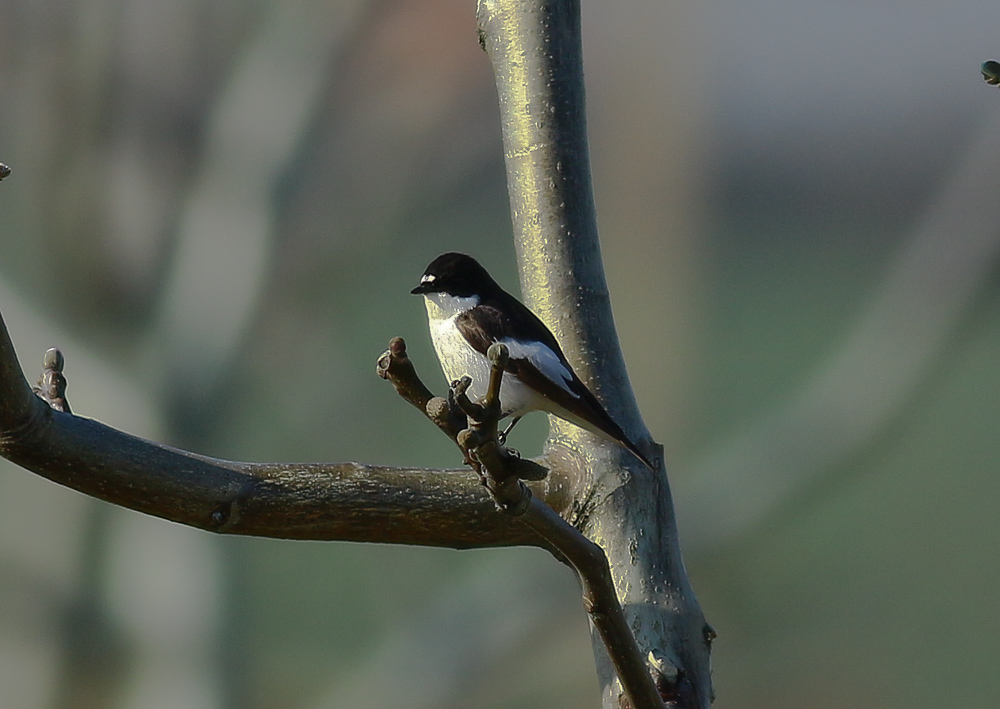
217	210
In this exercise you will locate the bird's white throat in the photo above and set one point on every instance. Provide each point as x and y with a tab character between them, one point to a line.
441	306
458	358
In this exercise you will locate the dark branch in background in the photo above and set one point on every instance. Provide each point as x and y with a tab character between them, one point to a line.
535	49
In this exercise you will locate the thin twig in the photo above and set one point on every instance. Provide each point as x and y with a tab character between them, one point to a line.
466	423
395	367
499	473
52	383
600	601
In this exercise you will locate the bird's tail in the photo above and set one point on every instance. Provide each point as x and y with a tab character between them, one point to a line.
607	429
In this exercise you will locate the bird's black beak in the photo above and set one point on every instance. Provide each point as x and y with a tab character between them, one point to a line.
421	289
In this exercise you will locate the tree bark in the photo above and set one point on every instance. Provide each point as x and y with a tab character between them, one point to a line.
535	49
323	501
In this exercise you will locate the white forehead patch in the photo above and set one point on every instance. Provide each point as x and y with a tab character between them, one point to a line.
428	278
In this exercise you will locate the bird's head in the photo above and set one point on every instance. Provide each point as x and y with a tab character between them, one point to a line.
456	275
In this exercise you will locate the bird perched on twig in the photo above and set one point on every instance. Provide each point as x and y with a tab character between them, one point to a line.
468	311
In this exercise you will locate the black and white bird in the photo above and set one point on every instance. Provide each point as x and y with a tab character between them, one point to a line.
468	311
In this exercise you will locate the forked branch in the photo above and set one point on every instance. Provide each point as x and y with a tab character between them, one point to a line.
501	473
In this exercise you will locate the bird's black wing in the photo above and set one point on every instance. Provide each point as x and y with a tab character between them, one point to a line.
488	323
501	316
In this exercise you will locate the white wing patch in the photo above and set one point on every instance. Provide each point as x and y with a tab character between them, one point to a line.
545	360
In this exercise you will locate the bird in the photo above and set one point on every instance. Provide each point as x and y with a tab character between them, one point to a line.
467	311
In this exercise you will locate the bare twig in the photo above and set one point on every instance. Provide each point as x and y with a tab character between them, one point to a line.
588	559
991	72
52	384
466	423
500	473
395	367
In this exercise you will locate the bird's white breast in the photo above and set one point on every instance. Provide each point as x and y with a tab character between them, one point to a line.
458	358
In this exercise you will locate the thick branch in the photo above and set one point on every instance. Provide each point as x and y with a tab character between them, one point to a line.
588	559
500	473
537	57
344	501
535	49
600	601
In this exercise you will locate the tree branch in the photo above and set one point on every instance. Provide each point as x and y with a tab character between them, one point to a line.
328	501
588	559
501	474
600	602
625	509
535	49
